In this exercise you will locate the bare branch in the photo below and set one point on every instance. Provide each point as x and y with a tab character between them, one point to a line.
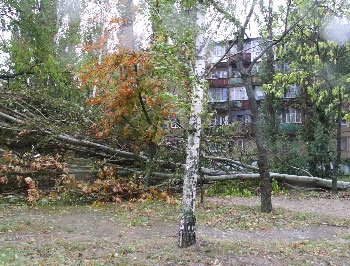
284	34
10	76
10	118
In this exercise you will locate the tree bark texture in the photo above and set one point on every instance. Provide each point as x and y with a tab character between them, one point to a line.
265	179
338	147
266	189
187	230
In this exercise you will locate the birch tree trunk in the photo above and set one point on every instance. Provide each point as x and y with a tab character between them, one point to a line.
187	230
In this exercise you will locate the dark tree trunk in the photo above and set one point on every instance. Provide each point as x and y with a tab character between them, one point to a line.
187	232
266	203
338	147
152	149
267	78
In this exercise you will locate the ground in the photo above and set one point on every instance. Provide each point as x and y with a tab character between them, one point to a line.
303	229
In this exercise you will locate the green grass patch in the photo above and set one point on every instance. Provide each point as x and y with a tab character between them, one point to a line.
239	188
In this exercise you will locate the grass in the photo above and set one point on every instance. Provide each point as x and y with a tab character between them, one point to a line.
250	218
145	234
345	178
207	252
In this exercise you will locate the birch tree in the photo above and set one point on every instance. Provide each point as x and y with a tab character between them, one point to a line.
187	233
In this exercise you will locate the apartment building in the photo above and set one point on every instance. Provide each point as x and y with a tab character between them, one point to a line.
228	99
227	94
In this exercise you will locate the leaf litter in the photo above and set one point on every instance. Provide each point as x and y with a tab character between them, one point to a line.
230	231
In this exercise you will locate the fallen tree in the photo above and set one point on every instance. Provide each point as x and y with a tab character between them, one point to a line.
29	120
308	181
208	174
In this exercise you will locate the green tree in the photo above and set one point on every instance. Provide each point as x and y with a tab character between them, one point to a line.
319	65
241	27
33	58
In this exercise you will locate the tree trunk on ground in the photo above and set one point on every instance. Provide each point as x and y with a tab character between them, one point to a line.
305	181
187	230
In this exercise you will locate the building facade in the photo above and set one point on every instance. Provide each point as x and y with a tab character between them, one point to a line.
228	100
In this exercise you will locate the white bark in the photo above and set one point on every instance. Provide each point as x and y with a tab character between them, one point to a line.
301	180
187	234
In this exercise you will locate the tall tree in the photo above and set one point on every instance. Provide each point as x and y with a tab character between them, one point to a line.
33	57
187	233
319	59
241	28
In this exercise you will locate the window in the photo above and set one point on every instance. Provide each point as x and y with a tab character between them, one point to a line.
218	94
218	51
344	144
174	123
291	116
292	92
241	144
282	67
213	147
259	93
246	119
238	94
218	74
255	69
344	123
219	121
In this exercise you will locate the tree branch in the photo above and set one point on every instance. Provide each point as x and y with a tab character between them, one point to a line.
10	76
144	110
284	34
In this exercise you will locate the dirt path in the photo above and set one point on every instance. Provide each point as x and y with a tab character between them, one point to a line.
147	235
327	206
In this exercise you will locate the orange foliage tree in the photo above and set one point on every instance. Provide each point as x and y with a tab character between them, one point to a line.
132	96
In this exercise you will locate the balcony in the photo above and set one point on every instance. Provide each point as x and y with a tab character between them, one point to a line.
239	104
256	79
219	106
247	58
289	128
218	82
235	81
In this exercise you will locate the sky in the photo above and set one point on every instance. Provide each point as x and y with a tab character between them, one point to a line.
334	31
